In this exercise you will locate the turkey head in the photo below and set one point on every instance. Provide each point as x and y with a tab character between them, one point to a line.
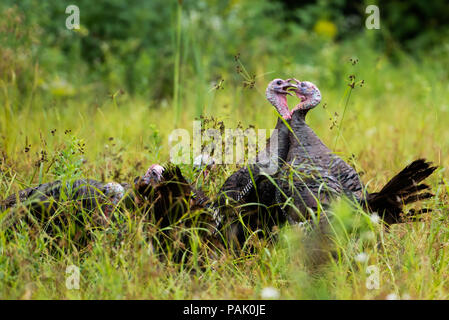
309	94
276	93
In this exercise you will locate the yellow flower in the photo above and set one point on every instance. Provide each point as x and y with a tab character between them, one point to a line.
325	28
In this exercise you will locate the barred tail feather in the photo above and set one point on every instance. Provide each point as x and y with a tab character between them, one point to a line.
402	189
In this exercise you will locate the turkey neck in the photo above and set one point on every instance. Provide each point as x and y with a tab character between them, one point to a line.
283	139
304	143
281	134
276	150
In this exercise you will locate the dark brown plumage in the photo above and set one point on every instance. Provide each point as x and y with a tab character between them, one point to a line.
169	198
177	212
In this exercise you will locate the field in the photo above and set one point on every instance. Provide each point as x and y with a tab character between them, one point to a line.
53	128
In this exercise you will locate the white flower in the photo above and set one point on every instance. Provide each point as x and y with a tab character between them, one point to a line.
375	219
392	296
361	257
269	293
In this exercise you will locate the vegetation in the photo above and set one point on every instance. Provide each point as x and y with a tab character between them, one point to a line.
101	101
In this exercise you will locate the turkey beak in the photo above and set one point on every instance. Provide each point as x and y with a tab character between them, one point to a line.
298	90
293	86
284	88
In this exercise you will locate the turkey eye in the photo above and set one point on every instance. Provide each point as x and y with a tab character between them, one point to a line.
279	82
303	84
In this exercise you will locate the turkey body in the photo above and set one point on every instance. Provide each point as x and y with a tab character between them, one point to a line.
312	175
251	187
315	176
168	200
54	203
177	213
238	186
46	195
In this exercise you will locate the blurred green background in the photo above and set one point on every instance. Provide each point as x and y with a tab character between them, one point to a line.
132	45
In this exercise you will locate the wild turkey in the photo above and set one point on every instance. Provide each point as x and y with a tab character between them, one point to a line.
239	187
87	194
162	194
167	194
176	211
314	175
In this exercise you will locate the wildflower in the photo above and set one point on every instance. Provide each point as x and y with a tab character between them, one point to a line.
326	29
375	219
392	296
269	293
362	257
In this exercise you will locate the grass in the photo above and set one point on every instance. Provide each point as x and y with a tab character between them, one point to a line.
400	114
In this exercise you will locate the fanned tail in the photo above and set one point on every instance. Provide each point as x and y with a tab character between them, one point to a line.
402	189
